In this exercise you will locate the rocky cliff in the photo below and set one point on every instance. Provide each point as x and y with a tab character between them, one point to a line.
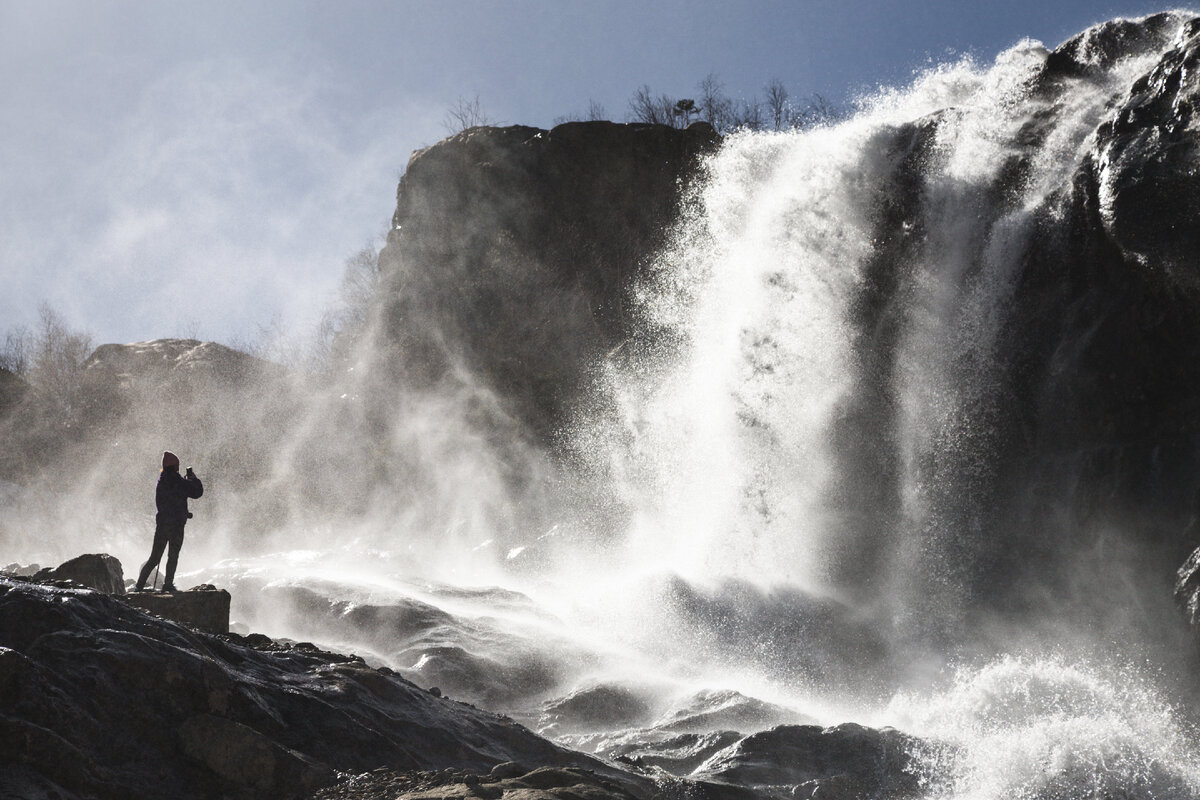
513	252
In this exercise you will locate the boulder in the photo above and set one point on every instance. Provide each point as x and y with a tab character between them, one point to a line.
820	762
205	609
98	571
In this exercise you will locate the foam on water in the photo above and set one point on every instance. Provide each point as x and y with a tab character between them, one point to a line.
1046	728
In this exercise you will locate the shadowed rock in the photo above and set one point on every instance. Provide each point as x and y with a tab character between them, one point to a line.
102	700
206	608
515	250
846	761
1187	591
101	572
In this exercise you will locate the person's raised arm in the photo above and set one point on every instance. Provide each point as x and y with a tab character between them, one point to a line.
194	487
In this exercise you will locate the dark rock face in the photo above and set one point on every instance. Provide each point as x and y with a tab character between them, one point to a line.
1075	453
1104	347
513	249
205	608
1147	194
1187	592
101	572
101	700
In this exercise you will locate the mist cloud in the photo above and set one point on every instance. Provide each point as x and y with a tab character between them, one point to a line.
224	201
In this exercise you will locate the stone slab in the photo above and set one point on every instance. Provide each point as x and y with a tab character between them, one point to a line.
205	609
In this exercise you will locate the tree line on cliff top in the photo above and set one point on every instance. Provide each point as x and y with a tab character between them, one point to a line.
777	110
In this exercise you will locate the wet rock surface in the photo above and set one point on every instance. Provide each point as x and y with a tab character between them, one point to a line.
101	700
98	699
1187	592
508	780
810	761
1085	435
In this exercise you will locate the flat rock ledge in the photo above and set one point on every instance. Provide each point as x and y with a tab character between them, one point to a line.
204	607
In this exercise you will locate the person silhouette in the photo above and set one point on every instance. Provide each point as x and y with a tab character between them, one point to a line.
170	496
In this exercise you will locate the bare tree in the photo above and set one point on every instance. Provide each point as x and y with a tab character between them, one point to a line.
777	104
715	106
726	114
644	106
344	325
747	115
17	351
817	111
595	112
465	114
53	361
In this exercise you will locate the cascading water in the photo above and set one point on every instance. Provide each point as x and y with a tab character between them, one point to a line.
819	409
827	411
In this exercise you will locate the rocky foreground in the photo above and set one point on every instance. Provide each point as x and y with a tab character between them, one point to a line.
100	699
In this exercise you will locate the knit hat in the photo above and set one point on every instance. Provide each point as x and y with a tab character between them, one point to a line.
170	460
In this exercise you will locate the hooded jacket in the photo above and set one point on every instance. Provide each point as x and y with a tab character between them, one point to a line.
172	494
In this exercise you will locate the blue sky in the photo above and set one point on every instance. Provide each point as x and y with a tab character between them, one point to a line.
206	168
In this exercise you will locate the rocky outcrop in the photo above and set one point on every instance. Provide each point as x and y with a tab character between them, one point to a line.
1078	433
808	761
204	607
1187	592
1103	345
98	571
513	252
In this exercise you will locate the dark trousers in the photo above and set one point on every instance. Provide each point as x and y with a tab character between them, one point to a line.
165	534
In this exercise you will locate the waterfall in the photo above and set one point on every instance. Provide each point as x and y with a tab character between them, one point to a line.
820	398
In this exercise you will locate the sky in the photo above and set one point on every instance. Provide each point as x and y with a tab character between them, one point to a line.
205	169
